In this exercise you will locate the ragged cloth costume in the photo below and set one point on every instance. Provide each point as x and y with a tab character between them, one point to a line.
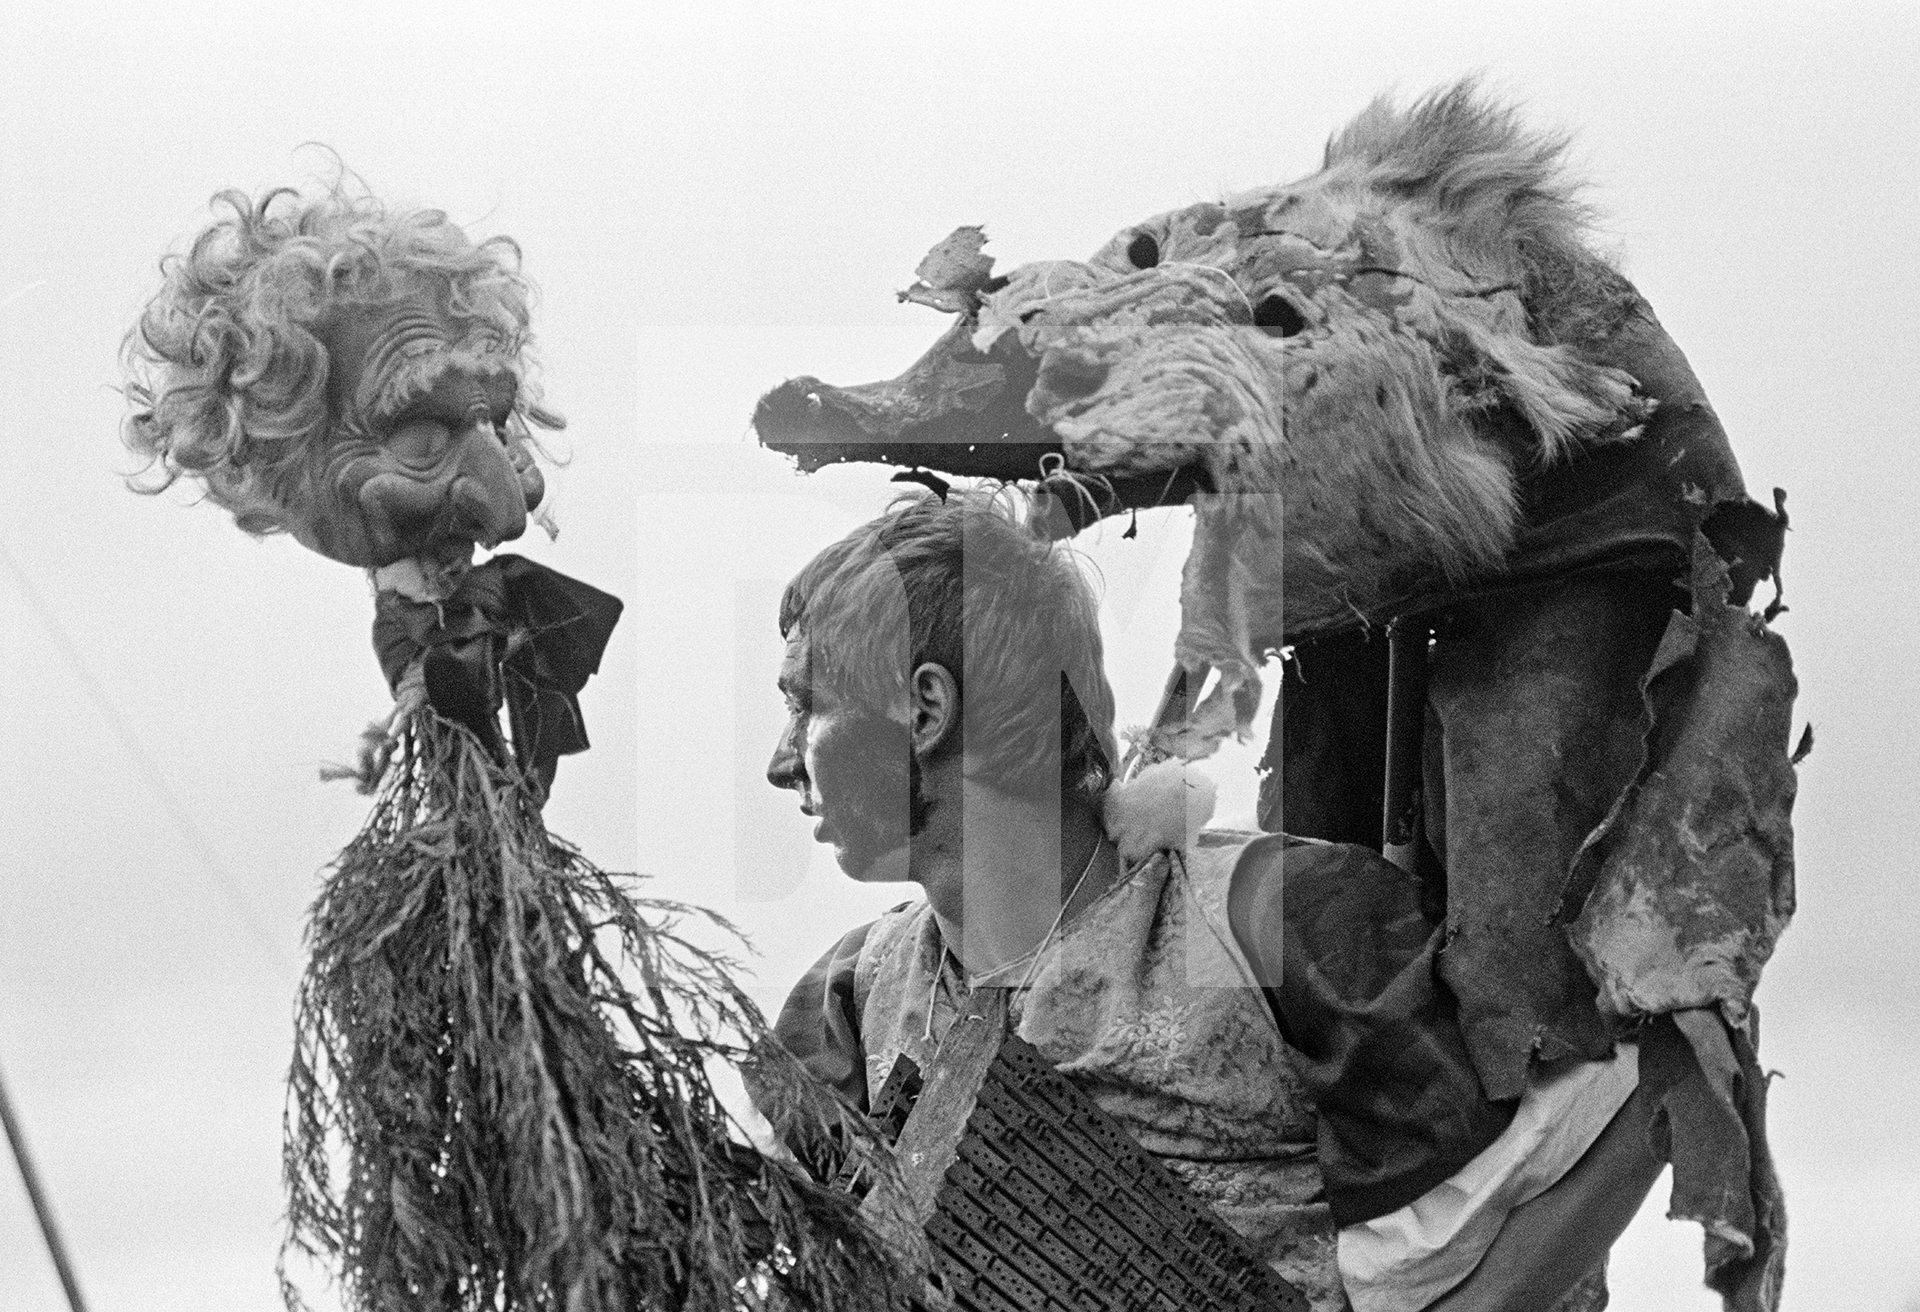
1151	1000
1407	391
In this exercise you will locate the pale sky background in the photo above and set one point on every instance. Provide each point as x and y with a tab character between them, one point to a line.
714	198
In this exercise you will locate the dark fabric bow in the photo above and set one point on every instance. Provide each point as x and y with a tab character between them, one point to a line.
514	633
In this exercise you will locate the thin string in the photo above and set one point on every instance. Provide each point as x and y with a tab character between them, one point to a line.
1054	928
946	954
933	994
1232	281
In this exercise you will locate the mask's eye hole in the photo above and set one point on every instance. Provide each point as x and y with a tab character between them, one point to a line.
420	442
1143	251
1277	317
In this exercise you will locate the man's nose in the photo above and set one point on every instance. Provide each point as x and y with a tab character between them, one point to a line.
786	769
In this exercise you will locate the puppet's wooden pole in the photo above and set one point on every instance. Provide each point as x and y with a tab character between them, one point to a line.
1400	811
42	1209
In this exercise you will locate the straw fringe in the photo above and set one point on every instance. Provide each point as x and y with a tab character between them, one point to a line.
483	1115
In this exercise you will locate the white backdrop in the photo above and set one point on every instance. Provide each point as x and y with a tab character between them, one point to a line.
714	198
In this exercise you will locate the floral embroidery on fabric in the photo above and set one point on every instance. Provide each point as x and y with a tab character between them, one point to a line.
1152	1044
1142	999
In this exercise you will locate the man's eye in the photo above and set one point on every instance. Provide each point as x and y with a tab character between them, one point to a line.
420	441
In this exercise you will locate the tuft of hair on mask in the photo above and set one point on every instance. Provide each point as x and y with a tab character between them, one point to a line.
1163	808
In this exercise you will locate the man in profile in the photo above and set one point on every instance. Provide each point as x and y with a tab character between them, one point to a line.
951	725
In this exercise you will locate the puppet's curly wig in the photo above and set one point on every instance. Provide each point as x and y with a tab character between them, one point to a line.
226	370
967	583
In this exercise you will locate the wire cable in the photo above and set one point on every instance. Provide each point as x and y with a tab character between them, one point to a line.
42	1208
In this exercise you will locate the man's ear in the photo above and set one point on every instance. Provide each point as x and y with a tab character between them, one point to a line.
936	708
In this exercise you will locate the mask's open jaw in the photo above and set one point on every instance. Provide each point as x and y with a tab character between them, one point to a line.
955	410
959	411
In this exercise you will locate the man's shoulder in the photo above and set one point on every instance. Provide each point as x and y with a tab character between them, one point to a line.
1240	849
847	948
1211	838
1260	869
894	927
1263	849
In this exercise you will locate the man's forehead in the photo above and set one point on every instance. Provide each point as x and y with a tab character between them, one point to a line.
793	666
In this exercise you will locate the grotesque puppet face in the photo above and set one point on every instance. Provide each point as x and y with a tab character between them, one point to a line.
421	459
350	375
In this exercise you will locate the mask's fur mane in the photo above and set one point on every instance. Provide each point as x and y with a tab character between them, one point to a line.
1494	194
226	369
1424	296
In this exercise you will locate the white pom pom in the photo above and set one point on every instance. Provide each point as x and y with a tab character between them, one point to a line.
1163	807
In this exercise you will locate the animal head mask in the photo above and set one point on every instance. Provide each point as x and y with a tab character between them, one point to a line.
1402	378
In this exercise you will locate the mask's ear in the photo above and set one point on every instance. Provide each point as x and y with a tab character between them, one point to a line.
935	710
253	508
1565	399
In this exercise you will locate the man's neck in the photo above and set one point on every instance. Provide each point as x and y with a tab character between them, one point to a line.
1005	870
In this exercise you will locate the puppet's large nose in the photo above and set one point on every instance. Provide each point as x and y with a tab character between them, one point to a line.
473	494
486	501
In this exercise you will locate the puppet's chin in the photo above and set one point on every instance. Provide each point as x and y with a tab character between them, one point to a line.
431	576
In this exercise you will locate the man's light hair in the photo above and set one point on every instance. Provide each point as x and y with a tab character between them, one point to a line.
966	583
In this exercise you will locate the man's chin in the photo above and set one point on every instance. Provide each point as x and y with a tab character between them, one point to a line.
889	866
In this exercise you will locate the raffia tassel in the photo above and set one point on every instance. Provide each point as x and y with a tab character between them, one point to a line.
381	739
1162	808
484	1115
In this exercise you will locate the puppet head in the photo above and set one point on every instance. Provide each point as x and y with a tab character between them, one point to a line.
353	375
1388	346
1360	371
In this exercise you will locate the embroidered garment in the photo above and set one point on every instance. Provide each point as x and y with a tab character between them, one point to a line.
1264	1015
1146	1003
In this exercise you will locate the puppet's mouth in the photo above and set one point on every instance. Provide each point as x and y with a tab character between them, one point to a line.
433	574
956	410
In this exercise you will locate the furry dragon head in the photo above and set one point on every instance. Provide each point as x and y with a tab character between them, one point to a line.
1357	379
1376	346
355	376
